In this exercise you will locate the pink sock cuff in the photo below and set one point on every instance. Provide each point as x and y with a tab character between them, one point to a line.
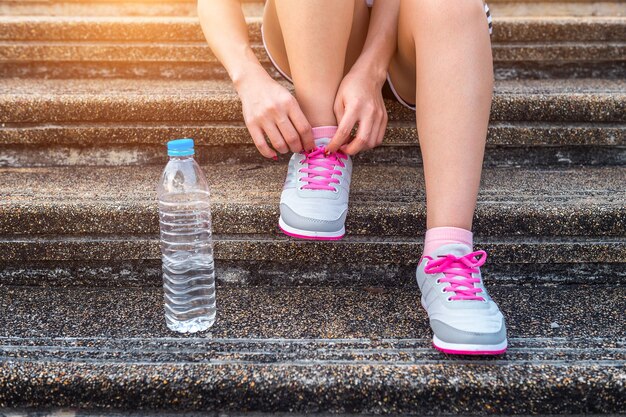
450	233
438	236
324	132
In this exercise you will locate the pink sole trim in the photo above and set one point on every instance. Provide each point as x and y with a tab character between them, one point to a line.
310	237
470	352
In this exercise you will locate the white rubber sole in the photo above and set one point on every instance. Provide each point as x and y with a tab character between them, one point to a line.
466	349
307	234
462	349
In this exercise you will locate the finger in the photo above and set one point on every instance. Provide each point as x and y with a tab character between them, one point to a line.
278	142
261	144
303	127
338	109
343	131
380	134
292	138
382	129
375	137
362	139
372	141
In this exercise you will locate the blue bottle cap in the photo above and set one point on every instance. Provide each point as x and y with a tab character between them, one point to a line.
180	147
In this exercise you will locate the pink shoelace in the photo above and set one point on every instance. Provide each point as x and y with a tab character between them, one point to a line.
321	179
458	273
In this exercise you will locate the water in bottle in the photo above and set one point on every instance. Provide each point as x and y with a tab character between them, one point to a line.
186	241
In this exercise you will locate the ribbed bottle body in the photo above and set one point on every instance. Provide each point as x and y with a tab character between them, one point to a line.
186	247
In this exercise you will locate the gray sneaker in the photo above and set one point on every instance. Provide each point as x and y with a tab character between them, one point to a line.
464	319
314	201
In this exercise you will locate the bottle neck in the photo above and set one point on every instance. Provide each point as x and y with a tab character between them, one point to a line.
181	158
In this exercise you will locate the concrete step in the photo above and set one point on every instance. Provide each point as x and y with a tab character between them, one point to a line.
308	349
121	122
104	100
174	47
188	8
509	144
149	8
183	30
557	8
546	225
127	261
386	200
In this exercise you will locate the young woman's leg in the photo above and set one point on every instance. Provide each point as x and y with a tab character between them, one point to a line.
444	66
315	42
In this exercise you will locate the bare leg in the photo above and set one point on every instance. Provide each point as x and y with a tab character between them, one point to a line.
444	65
315	42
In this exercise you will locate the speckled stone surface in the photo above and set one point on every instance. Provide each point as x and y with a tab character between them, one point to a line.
566	8
243	273
166	46
190	70
21	51
177	8
118	8
295	312
578	201
187	29
60	412
500	8
114	100
551	29
313	350
401	133
602	51
28	156
195	60
349	251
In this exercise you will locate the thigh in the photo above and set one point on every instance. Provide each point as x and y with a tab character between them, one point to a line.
402	67
275	43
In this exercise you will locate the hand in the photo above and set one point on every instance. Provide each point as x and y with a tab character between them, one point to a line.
270	110
359	100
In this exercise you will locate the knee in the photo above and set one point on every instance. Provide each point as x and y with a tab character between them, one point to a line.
455	12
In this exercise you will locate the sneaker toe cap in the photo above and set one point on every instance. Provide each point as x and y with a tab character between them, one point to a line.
450	334
307	221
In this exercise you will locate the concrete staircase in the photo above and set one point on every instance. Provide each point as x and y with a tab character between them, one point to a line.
91	91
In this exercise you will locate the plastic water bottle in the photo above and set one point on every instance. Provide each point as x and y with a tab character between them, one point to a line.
186	242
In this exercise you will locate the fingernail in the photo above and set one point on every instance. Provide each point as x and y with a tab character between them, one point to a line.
275	158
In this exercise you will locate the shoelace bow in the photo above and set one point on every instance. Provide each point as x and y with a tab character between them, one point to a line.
321	179
458	273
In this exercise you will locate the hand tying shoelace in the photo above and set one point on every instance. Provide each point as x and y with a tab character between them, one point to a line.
321	168
458	273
